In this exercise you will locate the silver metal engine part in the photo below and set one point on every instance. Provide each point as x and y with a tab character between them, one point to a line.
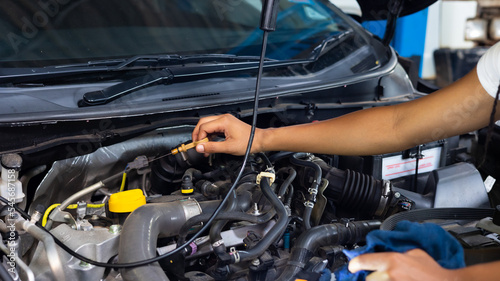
99	244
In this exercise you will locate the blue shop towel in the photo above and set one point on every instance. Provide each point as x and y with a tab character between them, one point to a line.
429	237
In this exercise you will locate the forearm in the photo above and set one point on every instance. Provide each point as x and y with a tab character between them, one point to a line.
460	108
365	132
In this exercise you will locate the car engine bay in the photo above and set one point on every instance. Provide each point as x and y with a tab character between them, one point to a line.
100	181
290	216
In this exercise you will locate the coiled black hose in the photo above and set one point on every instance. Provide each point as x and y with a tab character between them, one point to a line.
313	191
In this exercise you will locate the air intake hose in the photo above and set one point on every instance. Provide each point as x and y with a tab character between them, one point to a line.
142	229
356	192
323	235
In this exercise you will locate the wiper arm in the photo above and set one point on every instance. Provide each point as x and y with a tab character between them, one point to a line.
329	43
111	93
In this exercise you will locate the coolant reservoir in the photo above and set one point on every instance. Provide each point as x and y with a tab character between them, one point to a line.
10	186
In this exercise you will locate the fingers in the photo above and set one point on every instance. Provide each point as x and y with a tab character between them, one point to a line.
215	147
378	276
382	261
370	262
203	127
235	131
419	253
414	265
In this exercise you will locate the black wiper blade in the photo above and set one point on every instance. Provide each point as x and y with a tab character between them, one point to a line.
20	75
176	59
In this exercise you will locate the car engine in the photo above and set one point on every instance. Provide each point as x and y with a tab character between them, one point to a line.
290	215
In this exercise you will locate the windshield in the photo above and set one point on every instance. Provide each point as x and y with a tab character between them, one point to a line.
43	33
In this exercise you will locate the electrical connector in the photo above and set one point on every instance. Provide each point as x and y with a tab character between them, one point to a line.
138	163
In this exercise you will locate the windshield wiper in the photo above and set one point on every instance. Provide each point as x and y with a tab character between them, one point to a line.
167	75
111	93
153	62
162	61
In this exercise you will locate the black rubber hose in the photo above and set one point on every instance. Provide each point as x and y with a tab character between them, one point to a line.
291	176
264	157
280	155
236	216
215	232
307	217
236	200
311	195
275	232
188	177
328	234
216	228
289	198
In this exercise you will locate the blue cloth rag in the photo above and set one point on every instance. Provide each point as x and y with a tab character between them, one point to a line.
433	239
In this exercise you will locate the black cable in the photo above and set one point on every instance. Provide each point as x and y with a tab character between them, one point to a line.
266	160
214	215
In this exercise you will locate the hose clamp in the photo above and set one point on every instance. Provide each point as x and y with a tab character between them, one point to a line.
237	258
190	207
217	243
309	204
269	175
312	191
384	198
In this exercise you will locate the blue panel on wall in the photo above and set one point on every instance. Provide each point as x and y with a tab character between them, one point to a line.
409	38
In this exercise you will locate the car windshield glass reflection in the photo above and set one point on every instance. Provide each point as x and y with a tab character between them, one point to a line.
44	33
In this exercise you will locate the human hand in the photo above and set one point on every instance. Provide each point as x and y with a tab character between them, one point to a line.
235	131
415	265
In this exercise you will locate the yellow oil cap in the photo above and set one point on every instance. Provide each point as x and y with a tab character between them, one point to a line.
126	201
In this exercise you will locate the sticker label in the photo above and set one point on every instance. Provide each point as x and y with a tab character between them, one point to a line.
395	166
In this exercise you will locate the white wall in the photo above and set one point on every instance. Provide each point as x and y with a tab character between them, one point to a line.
445	29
